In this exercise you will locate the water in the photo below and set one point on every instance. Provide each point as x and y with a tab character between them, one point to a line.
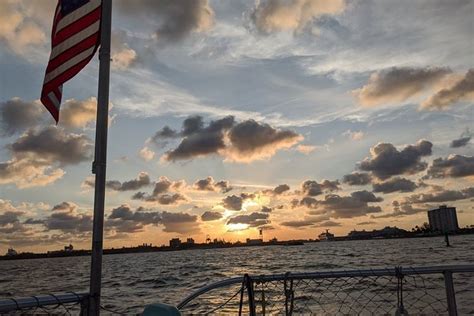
130	281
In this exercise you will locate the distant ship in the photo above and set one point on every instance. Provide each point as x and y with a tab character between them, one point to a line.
11	252
327	236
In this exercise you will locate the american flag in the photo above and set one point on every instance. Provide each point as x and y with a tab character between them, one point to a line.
74	40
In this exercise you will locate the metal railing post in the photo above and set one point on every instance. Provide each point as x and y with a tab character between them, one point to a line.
250	293
450	294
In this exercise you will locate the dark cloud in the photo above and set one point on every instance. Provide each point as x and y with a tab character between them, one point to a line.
398	84
252	140
54	145
211	216
387	161
233	202
357	178
199	140
167	199
313	188
163	134
462	90
161	193
347	206
181	223
208	184
266	209
124	219
10	217
141	181
460	142
254	219
17	115
455	166
310	221
395	185
441	196
281	188
402	209
176	19
243	142
66	219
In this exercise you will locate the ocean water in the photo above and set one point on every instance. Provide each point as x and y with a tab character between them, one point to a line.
130	281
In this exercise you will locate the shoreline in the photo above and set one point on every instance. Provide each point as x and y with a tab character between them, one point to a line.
219	245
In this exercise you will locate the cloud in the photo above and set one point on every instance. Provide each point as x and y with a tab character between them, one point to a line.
25	172
181	223
279	189
460	142
387	161
308	221
160	193
233	202
37	154
395	185
455	166
329	224
146	154
266	209
211	216
175	19
19	29
463	140
354	135
292	15
77	114
54	145
306	149
257	141
200	141
17	115
357	178
66	218
124	219
142	180
462	90
398	84
313	188
208	184
240	142
122	55
254	219
347	206
441	196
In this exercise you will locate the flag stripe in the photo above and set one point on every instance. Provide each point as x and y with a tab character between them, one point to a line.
77	26
79	48
66	75
73	40
77	14
68	64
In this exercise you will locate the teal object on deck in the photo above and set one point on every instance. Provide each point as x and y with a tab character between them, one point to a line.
158	309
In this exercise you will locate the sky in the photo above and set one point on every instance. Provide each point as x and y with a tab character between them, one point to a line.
230	116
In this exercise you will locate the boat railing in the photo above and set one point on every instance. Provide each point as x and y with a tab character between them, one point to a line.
388	291
434	290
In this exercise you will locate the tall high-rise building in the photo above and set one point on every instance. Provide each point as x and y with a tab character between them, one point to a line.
443	219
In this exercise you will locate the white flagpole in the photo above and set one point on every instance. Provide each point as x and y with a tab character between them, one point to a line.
99	164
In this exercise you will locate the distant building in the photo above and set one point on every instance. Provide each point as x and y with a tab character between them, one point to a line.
254	241
175	243
190	241
326	236
11	252
443	219
69	248
386	232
